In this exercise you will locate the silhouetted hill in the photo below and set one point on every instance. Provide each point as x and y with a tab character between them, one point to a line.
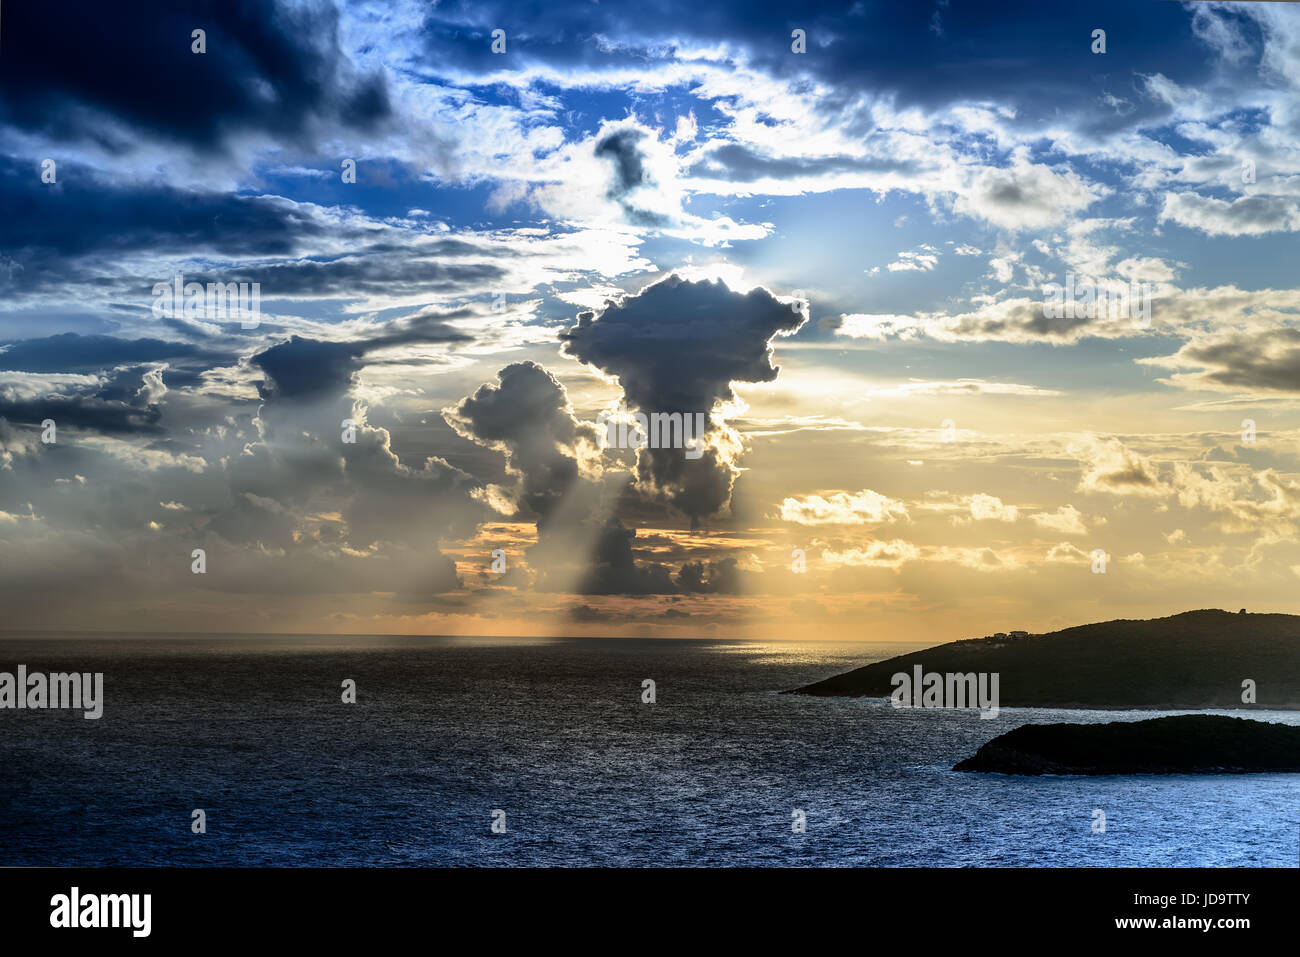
1194	660
1183	744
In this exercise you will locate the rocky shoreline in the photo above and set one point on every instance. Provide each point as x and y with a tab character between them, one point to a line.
1181	744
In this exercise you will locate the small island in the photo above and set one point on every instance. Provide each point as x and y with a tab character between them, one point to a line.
1183	744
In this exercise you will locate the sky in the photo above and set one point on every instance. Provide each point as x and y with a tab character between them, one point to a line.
826	232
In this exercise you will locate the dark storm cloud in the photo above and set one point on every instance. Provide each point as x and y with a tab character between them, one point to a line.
605	562
72	352
303	368
721	578
1022	321
629	168
270	67
1267	361
973	51
615	571
316	454
89	413
586	613
370	272
698	487
61	238
620	148
424	327
82	213
120	404
306	368
676	347
739	164
526	414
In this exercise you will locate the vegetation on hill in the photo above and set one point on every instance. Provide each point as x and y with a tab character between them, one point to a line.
1198	659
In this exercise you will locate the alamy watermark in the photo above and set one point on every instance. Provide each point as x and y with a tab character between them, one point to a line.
58	690
1084	298
75	909
216	300
932	690
658	430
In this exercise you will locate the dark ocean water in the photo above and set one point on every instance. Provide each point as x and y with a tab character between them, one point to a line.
554	733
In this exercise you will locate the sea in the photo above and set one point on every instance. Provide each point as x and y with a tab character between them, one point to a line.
511	752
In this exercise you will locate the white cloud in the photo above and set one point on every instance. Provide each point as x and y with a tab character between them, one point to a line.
923	259
990	508
1026	195
1066	520
843	508
1244	216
